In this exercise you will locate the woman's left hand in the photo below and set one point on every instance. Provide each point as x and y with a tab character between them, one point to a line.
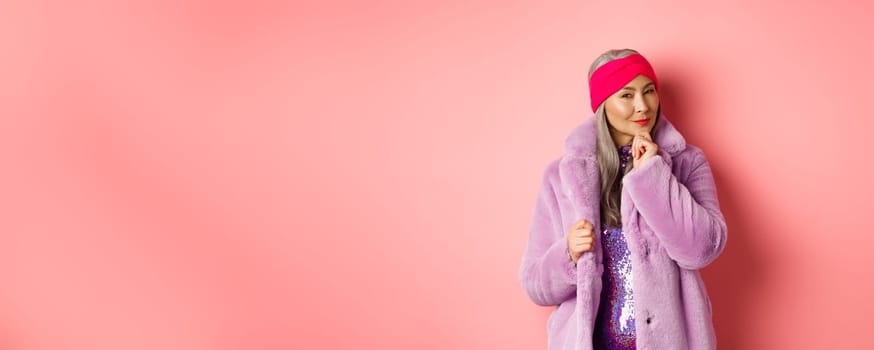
642	148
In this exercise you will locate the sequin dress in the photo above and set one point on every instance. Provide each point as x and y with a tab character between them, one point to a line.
614	325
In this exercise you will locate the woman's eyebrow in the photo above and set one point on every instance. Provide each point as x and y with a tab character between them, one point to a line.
645	86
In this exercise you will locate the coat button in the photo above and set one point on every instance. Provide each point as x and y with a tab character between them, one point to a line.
649	320
646	250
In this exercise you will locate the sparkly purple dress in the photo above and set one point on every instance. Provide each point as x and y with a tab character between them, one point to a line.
614	325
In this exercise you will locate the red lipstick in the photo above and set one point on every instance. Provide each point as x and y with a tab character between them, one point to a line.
642	121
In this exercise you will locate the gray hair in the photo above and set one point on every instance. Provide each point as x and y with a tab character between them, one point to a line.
608	156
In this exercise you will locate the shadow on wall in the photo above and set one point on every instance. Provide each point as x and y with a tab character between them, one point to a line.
738	274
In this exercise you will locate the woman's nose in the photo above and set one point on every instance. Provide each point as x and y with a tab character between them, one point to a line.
640	105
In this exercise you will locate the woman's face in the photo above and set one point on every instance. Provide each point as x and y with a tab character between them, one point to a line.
632	109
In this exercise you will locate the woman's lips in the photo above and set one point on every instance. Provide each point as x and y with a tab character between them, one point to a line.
642	121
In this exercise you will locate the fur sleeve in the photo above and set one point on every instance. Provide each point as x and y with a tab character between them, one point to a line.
684	216
547	274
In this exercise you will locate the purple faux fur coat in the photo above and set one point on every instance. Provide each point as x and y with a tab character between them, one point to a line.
673	227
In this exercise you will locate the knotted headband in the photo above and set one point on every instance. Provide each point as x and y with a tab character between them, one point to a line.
613	76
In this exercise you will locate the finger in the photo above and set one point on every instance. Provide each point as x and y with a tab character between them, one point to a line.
582	234
645	142
583	239
579	241
647	138
649	148
583	224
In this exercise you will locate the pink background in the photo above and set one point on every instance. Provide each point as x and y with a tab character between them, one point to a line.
270	175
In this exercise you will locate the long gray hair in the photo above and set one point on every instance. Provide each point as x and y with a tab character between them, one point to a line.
608	156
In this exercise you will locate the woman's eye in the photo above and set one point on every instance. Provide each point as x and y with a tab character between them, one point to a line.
650	90
626	95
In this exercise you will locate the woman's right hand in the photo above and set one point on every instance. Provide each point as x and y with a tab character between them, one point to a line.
580	239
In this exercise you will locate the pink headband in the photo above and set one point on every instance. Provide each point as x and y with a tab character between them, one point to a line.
613	75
